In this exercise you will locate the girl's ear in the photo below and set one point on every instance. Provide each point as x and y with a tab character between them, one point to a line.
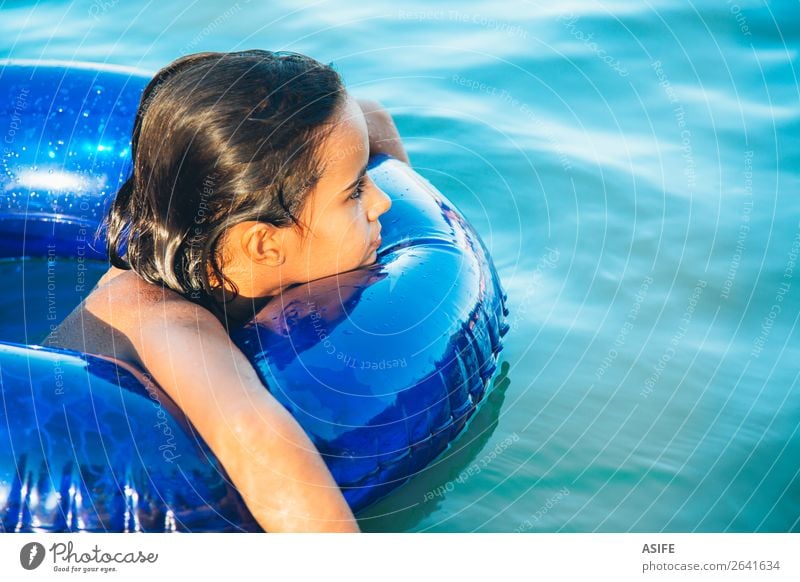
262	243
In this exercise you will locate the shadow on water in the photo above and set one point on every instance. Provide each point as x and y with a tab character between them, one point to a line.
414	501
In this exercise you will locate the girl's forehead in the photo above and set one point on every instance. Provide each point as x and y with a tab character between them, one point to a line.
349	124
346	148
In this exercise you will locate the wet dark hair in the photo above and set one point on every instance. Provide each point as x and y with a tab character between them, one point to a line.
218	139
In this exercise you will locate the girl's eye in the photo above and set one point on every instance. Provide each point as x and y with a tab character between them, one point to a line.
359	190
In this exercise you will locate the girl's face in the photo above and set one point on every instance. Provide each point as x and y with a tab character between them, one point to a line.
340	215
343	210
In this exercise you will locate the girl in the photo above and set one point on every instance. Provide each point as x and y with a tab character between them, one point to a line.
249	176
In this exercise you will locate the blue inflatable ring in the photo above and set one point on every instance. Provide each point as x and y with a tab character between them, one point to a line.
382	366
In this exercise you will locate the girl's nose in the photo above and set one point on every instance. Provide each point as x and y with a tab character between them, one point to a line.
379	204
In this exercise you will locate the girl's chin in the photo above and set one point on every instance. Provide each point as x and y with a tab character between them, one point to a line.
372	257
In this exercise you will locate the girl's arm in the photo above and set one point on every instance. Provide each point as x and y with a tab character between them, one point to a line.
271	461
383	135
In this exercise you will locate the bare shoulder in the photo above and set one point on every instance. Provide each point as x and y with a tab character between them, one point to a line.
130	304
129	319
112	273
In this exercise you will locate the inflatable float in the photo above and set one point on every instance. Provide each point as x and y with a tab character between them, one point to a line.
382	366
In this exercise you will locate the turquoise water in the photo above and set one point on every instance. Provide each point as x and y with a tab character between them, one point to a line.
633	168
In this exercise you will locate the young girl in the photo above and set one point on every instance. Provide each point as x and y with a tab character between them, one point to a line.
249	176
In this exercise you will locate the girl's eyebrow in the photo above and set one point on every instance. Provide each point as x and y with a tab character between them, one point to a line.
353	184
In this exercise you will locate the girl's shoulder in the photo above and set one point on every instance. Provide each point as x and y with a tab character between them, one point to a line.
111	320
109	275
126	300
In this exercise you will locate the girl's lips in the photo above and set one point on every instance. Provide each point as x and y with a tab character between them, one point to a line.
378	242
